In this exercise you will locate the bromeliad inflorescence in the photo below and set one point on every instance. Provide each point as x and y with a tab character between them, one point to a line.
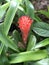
24	23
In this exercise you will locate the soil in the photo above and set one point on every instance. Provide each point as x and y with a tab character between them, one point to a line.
40	4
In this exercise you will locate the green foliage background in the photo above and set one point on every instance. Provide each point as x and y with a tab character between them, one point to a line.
36	51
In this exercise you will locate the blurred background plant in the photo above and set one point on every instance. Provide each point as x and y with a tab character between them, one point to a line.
12	49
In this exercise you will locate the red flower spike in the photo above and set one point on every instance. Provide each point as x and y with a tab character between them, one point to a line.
24	23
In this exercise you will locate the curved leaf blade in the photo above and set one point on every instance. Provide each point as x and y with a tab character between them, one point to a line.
42	43
43	62
10	15
3	9
29	9
41	29
8	42
28	56
46	13
31	43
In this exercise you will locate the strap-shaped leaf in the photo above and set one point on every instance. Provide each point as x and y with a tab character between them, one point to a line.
16	36
3	9
42	62
7	42
37	18
42	43
28	56
41	29
3	59
10	14
31	43
1	48
29	8
46	13
9	19
1	45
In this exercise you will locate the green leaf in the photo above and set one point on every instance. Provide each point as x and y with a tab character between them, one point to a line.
4	60
36	18
42	43
8	42
3	9
8	0
9	18
29	9
41	28
43	62
0	26
48	8
1	47
31	43
28	56
46	13
21	8
1	1
40	62
10	15
20	13
16	36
